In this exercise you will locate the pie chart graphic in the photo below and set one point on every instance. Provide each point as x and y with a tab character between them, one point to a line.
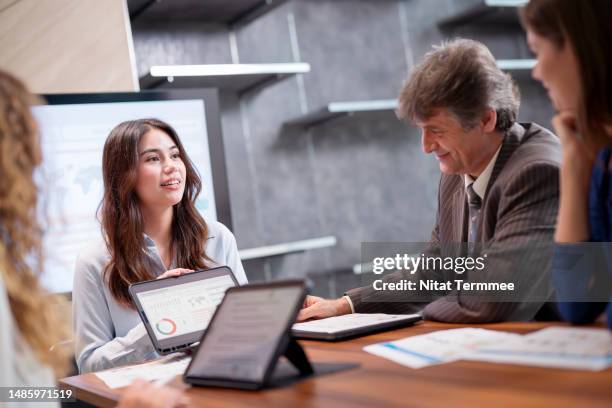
166	327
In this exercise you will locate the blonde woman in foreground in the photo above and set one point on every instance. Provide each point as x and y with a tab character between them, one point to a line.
29	326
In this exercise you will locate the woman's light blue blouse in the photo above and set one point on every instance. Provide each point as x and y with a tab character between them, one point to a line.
108	334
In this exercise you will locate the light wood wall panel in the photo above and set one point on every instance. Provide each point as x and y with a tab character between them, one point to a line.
62	46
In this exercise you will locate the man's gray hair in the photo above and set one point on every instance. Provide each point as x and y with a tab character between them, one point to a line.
460	75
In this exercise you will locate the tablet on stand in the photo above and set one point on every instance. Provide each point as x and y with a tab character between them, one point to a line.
249	332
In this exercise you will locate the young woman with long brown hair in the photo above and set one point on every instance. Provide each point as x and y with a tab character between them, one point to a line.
150	229
571	40
29	322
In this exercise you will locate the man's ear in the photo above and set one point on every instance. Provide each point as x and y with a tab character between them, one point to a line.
489	120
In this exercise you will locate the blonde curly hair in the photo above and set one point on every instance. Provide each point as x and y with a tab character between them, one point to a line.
21	258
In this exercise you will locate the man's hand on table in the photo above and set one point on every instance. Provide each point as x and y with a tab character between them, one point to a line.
318	308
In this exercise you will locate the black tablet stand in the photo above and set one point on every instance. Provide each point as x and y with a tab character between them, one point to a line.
284	374
296	356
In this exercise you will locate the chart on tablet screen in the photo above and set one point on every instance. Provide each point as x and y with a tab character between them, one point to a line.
184	308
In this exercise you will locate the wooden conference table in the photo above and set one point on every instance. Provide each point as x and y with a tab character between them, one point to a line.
381	383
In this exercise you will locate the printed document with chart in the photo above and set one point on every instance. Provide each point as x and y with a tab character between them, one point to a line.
560	347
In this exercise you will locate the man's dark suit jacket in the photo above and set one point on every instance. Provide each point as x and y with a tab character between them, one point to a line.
519	210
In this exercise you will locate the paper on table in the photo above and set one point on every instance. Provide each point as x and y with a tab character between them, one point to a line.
160	370
437	347
560	347
347	322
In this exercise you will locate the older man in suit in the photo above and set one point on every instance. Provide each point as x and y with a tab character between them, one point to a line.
498	190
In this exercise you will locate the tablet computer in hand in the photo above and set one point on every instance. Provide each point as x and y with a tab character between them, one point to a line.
176	310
